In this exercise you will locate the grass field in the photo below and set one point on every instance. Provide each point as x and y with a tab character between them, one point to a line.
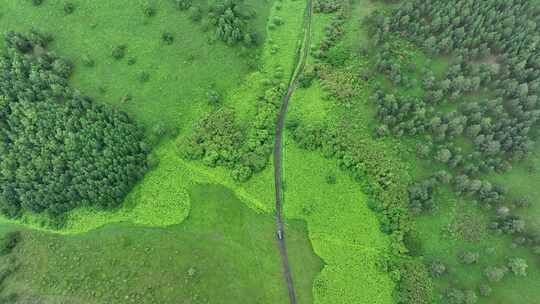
342	229
458	226
180	74
221	253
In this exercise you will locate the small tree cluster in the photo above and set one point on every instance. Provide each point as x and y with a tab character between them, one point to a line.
231	20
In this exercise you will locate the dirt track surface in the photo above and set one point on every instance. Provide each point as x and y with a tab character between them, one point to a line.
278	155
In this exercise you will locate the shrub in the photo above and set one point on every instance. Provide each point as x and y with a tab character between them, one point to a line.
131	60
518	266
195	13
88	61
149	10
183	4
415	285
495	274
485	290
330	178
230	19
277	21
69	8
144	76
468	257
9	241
119	52
437	268
168	38
327	6
214	97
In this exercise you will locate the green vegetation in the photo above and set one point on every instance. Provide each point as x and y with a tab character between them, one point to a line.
470	122
58	147
410	161
223	252
9	241
180	74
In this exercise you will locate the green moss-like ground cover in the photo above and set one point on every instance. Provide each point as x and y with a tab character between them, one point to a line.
221	253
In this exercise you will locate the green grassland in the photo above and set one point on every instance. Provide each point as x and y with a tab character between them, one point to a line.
221	253
343	230
163	197
180	74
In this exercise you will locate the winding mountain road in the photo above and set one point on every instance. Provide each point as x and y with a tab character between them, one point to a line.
278	149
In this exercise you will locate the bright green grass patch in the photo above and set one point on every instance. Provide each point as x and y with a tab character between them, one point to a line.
342	229
180	74
279	51
313	106
221	253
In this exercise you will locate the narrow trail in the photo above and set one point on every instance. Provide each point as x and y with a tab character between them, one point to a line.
278	149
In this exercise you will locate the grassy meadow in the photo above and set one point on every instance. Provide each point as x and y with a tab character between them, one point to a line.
222	252
172	228
180	74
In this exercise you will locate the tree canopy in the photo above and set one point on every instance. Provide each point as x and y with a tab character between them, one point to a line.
60	150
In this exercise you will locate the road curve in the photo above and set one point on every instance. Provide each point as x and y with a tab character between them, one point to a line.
278	149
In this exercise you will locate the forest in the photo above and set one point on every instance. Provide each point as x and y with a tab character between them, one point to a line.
60	150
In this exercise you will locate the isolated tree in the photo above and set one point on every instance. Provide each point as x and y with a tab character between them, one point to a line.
437	268
468	257
119	51
495	274
183	4
518	266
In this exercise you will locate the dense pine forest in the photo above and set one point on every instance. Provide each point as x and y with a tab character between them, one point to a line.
60	150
